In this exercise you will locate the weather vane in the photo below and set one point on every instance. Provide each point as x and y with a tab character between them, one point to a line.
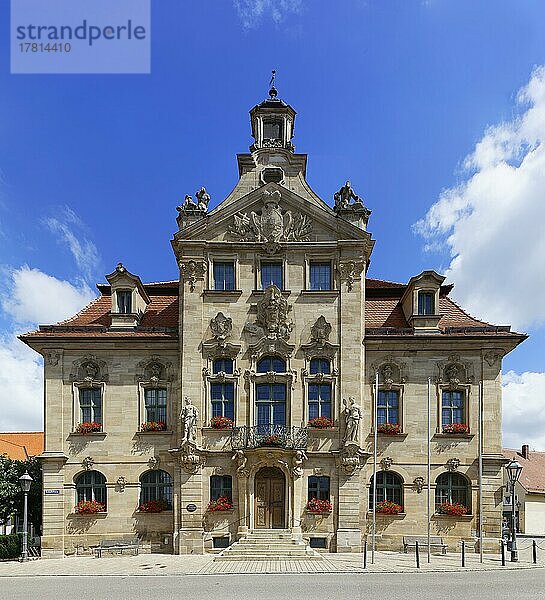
271	82
272	92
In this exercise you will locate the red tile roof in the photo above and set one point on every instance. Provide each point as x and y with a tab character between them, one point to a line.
15	444
532	477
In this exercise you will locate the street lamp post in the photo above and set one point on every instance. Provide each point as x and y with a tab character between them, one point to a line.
513	469
25	481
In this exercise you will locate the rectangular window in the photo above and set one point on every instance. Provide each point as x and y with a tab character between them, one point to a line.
90	404
452	407
388	407
318	487
271	403
426	303
319	400
223	400
272	130
271	274
124	301
320	276
224	275
221	485
155	400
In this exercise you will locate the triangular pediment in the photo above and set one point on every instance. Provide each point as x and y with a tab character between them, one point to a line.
272	214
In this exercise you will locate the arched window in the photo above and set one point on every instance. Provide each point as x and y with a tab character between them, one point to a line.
156	485
91	485
453	488
389	487
273	364
320	365
221	486
318	487
223	365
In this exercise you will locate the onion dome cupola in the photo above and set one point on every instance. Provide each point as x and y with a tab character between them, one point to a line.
272	122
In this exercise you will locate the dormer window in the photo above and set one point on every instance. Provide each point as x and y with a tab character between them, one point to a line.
426	303
124	302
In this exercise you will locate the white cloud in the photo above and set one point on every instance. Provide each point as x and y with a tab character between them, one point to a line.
71	230
524	410
33	297
492	223
21	386
252	12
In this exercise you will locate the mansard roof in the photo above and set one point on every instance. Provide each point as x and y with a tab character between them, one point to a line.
383	316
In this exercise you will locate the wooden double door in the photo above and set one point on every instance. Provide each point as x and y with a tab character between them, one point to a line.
270	499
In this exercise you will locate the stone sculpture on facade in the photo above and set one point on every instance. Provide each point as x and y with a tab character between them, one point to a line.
351	459
87	463
355	212
221	327
453	464
192	270
386	463
345	195
203	199
271	226
418	484
352	416
240	461
298	459
189	415
350	271
272	314
320	331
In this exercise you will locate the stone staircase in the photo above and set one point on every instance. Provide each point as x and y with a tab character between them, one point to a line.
269	544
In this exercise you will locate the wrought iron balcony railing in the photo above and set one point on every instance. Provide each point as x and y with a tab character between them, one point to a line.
269	436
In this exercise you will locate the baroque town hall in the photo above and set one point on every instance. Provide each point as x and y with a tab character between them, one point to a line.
204	413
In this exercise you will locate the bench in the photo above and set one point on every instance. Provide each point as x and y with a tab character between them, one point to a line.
409	541
118	545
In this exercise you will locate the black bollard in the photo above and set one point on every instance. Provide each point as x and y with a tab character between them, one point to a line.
417	553
463	553
534	552
502	553
365	555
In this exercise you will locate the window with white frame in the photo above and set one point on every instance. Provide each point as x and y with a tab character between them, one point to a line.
224	275
155	405
90	405
320	275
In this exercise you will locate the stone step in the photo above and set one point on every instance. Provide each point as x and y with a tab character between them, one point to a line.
259	557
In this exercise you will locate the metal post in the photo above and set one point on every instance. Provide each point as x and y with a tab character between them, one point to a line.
429	468
502	544
481	471
514	552
417	554
365	554
24	555
375	432
463	553
534	552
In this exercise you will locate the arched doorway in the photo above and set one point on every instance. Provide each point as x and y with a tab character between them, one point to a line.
270	499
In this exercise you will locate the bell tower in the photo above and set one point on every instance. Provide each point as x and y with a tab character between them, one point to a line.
272	122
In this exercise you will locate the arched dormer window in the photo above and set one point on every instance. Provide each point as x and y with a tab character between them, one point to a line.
271	364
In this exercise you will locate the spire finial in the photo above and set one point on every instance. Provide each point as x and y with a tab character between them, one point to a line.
272	92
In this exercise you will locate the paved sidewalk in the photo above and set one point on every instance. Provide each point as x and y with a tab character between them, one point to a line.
165	564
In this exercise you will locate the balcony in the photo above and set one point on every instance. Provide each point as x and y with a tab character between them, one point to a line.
269	436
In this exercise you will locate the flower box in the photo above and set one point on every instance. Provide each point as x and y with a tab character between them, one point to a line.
321	423
389	428
89	507
274	441
153	426
153	506
456	428
221	504
386	507
318	507
88	427
221	423
452	509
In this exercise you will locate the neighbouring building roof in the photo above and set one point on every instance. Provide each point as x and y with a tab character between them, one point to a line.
532	477
383	315
22	444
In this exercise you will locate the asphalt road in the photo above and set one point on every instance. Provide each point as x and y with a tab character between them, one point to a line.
490	585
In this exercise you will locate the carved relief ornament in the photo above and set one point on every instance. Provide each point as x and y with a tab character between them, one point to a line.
154	370
351	458
191	270
272	314
319	344
454	372
89	369
350	271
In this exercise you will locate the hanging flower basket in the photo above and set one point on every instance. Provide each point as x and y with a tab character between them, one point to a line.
88	427
221	504
452	509
321	423
318	507
89	507
153	506
153	426
221	423
389	428
386	507
274	441
456	428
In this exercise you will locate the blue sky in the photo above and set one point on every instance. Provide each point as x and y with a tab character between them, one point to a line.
393	95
